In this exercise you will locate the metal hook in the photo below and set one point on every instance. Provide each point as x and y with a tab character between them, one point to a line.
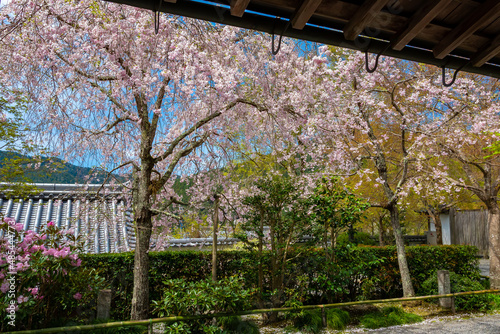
156	13
449	84
371	70
275	52
368	69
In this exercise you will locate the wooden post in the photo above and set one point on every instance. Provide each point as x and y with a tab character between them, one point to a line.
104	304
323	317
444	287
214	238
431	237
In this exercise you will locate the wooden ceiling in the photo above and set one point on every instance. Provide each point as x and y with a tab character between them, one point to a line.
456	34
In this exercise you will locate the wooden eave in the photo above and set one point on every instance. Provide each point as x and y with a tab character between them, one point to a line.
452	33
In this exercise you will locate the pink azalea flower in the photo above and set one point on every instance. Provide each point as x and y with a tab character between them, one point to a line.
62	252
49	224
5	287
76	263
16	308
77	296
19	227
21	299
21	267
9	220
51	251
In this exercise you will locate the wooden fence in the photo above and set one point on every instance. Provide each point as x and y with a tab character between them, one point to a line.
470	227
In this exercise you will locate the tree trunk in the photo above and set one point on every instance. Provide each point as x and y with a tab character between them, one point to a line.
140	295
214	239
436	219
400	247
494	247
381	231
141	198
273	316
261	270
439	228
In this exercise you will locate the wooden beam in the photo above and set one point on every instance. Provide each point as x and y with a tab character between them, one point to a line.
418	22
483	15
305	11
362	18
238	7
487	52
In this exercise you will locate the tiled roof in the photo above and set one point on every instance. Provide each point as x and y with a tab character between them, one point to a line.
200	242
104	222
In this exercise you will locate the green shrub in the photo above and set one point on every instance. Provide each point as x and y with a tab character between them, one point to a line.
308	321
375	274
238	326
495	301
42	281
389	316
460	283
337	319
117	330
200	298
178	328
360	238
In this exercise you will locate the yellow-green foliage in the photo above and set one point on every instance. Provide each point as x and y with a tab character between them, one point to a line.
389	316
337	319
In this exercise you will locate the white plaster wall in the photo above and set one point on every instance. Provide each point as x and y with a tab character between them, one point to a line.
445	227
445	224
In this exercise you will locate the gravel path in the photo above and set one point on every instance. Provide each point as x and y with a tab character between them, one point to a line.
477	324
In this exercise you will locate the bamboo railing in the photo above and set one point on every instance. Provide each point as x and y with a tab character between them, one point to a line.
152	321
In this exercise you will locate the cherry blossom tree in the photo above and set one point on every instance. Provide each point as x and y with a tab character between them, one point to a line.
465	163
102	86
383	117
286	89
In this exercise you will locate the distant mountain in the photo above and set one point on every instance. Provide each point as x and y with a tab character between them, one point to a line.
52	170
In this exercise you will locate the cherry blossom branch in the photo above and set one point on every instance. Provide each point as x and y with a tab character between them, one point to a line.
158	104
170	201
403	178
186	151
202	122
110	173
466	162
83	74
166	213
93	84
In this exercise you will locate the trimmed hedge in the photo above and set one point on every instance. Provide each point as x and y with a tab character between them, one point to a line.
359	272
